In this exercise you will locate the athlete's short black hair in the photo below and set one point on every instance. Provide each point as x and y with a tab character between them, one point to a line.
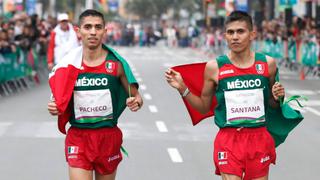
239	16
90	12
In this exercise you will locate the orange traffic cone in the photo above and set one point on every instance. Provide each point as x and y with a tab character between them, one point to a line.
302	76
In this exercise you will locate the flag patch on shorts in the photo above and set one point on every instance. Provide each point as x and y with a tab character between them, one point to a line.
222	155
73	149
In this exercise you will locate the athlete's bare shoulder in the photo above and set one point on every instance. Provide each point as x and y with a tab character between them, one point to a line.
212	65
211	70
272	65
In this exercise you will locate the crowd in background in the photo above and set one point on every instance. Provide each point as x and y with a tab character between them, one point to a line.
23	47
24	41
296	45
131	34
25	32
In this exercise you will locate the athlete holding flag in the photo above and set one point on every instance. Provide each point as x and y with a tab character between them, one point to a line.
243	83
91	87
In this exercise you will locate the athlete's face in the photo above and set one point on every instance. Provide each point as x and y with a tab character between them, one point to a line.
238	36
91	31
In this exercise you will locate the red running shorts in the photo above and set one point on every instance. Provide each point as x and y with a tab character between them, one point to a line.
244	152
94	149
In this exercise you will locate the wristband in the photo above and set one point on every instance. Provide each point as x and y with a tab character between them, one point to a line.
186	92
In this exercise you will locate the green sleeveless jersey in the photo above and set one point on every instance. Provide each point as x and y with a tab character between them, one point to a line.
242	93
94	96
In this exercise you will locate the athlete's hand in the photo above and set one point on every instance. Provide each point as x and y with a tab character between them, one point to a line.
134	103
175	80
277	91
52	108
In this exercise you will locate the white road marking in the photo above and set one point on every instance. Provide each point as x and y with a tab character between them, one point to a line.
48	130
34	129
314	111
311	103
286	73
147	96
142	87
131	130
137	52
153	109
175	155
286	77
161	126
301	92
4	126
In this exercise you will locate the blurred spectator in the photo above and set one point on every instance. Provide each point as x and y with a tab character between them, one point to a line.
149	38
6	46
63	38
43	40
183	41
171	36
24	40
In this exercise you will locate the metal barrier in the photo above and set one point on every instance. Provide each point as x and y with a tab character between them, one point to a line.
302	57
19	70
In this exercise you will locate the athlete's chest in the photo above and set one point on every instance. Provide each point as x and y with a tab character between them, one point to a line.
103	76
231	77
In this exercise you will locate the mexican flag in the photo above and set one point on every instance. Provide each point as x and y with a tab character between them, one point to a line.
280	121
73	149
63	78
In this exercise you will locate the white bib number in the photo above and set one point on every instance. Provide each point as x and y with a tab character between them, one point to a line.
245	106
92	104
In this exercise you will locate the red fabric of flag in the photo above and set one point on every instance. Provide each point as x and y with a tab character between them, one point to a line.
193	77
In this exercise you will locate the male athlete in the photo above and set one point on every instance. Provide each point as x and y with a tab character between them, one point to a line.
244	85
91	87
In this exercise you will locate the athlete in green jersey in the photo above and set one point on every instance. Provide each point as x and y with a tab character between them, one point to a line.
99	85
244	83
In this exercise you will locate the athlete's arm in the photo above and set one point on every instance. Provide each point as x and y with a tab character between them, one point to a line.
276	89
134	102
202	103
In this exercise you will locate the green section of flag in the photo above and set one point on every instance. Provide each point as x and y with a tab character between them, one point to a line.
124	151
123	94
282	120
